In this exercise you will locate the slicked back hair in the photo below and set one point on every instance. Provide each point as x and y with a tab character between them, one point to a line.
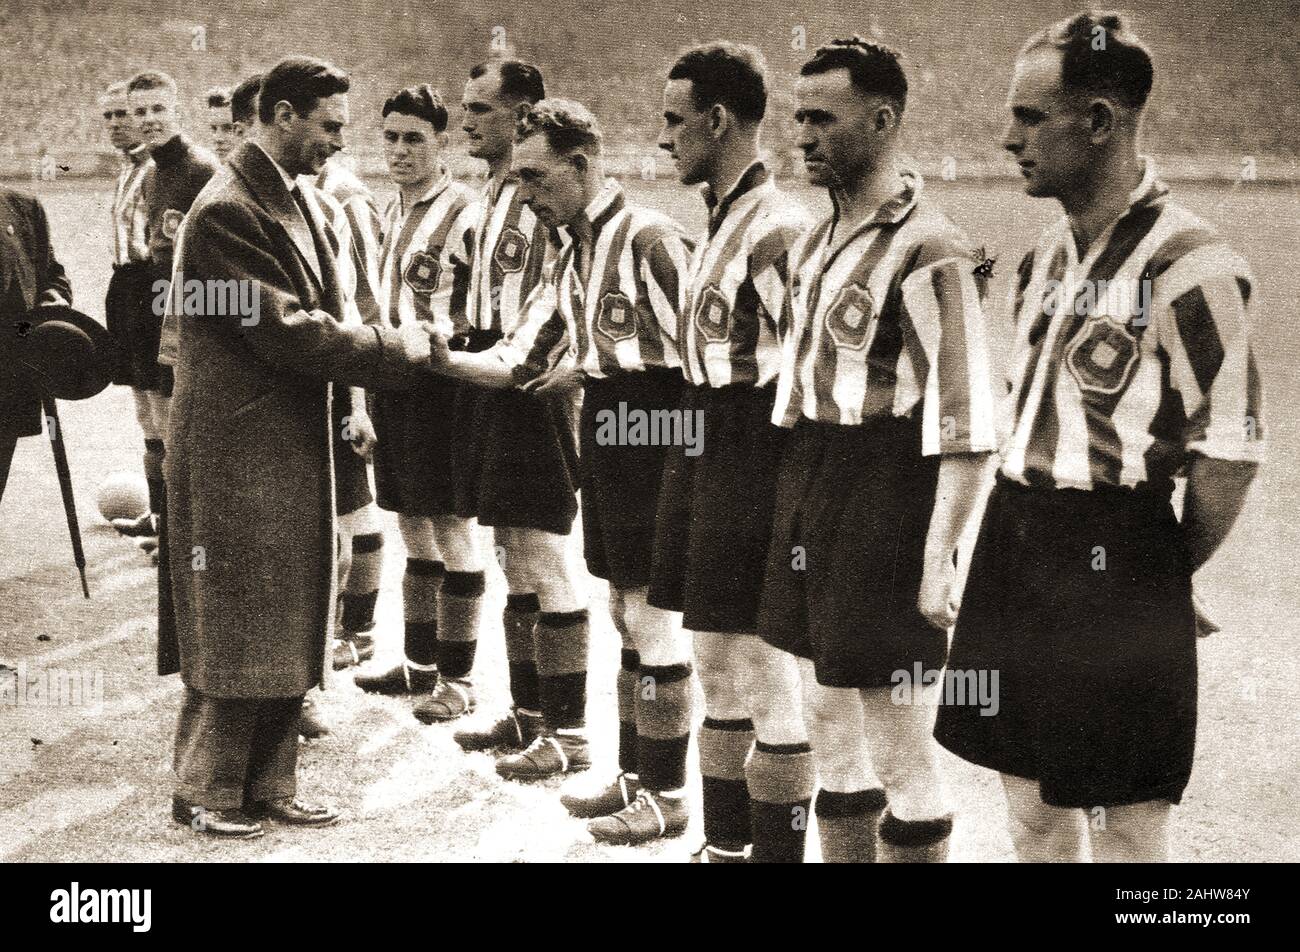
568	126
726	74
873	67
243	100
151	79
218	97
301	81
1099	57
520	81
421	101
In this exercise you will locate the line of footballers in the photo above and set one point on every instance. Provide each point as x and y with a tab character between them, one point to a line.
853	432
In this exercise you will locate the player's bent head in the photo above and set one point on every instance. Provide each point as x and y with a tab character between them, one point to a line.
849	102
415	132
557	159
243	101
517	81
302	106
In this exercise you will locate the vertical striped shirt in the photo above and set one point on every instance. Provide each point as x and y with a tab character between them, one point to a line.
1136	355
424	267
623	314
130	216
512	251
885	316
734	316
365	227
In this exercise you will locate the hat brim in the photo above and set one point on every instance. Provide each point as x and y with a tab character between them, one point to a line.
91	375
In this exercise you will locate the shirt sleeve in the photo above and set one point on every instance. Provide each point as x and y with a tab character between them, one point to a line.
1201	308
942	304
769	269
540	342
662	274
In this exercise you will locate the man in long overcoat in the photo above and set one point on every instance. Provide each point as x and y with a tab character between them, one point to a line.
248	464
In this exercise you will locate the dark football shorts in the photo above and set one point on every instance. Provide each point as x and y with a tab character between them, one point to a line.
414	449
715	510
1096	660
516	461
620	482
852	510
132	320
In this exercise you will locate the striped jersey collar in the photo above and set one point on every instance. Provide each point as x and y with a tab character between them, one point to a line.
436	189
1149	190
751	178
892	211
607	203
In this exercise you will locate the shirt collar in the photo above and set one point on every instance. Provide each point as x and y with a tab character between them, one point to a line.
754	176
1150	188
892	211
434	190
136	155
608	202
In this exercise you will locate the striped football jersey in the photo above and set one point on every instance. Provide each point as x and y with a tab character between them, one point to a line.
424	267
623	316
512	251
731	325
130	216
887	316
365	226
1137	355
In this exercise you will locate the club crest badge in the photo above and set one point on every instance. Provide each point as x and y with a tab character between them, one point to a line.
423	272
511	251
713	316
617	317
850	317
171	223
1102	357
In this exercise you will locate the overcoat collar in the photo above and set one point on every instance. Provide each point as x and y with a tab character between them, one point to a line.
254	166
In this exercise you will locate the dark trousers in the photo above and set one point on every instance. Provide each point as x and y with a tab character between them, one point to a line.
231	752
7	445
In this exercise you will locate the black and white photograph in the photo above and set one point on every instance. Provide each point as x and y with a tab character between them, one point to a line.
480	432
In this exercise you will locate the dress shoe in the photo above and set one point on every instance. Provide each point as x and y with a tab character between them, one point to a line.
293	812
402	679
228	824
311	722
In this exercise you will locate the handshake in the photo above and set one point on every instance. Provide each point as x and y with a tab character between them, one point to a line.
422	344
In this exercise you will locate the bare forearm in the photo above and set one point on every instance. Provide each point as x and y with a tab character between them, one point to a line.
963	484
1216	491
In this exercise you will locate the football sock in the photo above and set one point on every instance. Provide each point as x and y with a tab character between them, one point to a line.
781	778
561	639
914	841
626	690
420	586
847	822
519	619
723	748
663	725
460	604
362	589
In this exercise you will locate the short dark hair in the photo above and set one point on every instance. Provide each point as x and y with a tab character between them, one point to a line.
520	81
301	81
1100	56
726	74
873	67
218	97
421	101
243	100
567	125
151	79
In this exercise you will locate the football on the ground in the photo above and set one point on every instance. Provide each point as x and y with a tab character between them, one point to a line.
123	496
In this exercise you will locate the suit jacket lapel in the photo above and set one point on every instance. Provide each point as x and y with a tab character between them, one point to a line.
255	167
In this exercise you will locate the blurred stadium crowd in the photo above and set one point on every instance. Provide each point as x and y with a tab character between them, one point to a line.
1229	87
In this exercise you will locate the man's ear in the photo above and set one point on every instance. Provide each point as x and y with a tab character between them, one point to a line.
1103	119
521	110
885	119
580	162
283	113
719	120
442	138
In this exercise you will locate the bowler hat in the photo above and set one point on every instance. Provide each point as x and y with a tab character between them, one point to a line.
65	353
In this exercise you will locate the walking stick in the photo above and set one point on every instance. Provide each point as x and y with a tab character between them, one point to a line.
65	487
